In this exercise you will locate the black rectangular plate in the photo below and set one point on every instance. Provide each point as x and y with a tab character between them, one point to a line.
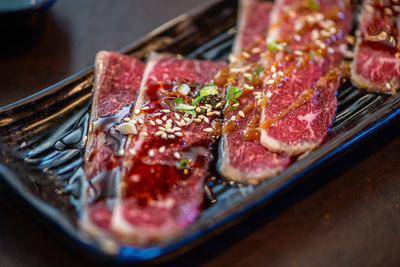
41	141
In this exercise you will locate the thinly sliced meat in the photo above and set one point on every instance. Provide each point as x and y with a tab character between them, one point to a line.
376	64
117	84
165	164
306	40
241	155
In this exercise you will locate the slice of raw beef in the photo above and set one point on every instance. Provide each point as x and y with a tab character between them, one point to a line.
116	86
376	64
305	43
241	155
178	120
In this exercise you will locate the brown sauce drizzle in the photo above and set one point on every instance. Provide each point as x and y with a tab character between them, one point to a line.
251	132
335	74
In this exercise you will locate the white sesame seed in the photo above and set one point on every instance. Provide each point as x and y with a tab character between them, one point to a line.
249	87
331	50
257	97
137	111
235	105
201	117
209	114
208	130
171	136
187	119
145	108
152	122
186	171
245	54
217	112
179	123
273	69
206	120
297	52
158	121
197	120
258	102
169	121
178	134
255	50
126	119
157	114
164	135
151	152
258	93
269	94
218	105
297	37
162	149
314	34
144	133
198	109
161	128
241	113
232	58
177	155
280	73
270	82
158	133
177	116
166	110
164	118
247	75
169	130
140	121
388	85
388	11
176	129
274	76
233	118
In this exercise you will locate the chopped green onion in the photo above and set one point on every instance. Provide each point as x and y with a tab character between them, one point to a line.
232	95
315	53
196	100
183	164
192	118
181	107
178	100
312	5
209	90
272	46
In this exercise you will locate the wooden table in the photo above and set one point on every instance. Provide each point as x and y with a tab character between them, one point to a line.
347	213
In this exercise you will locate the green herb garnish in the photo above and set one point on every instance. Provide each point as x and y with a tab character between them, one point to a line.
183	164
178	100
313	55
272	46
196	100
233	94
312	5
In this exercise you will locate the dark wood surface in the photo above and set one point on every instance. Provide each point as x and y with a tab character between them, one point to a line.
346	214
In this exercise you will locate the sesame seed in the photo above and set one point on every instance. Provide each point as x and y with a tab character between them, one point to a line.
274	76
178	134
270	82
257	97
145	108
132	151
206	120
233	118
140	121
297	37
186	171
245	54
164	135
152	122
158	121
171	136
137	111
249	87
198	109
298	53
169	130
235	105
162	149
164	118
388	11
151	152
144	133
158	133
255	50
247	75
217	112
166	110
257	93
258	102
157	114
161	128
232	58
197	120
269	94
187	119
209	114
273	69
388	85
331	50
218	105
208	130
280	73
179	123
169	121
126	119
176	129
177	116
241	113
314	34
177	155
183	122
